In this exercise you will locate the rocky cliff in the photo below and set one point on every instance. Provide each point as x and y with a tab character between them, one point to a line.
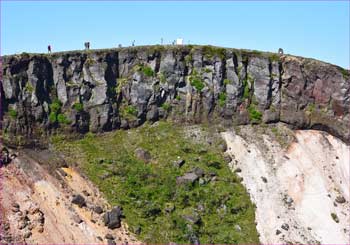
102	90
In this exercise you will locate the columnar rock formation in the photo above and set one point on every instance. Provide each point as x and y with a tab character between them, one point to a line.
102	90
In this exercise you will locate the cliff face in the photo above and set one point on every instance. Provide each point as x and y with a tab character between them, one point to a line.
102	90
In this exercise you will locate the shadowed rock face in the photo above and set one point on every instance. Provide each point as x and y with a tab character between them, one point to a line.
104	90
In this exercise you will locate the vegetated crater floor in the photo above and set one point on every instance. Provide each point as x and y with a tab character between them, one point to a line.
301	190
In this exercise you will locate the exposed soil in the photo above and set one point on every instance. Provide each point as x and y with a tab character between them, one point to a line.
36	206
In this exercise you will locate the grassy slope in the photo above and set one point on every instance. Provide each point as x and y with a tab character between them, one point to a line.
145	190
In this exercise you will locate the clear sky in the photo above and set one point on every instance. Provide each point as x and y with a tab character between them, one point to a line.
312	29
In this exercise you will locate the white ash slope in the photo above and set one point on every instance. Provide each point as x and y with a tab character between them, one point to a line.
297	188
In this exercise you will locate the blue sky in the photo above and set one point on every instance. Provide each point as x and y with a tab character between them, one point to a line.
312	29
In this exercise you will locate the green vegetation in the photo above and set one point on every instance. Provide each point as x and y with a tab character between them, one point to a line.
178	97
89	61
162	77
274	58
166	106
188	59
254	114
128	111
246	89
222	99
207	70
151	198
53	117
211	51
239	69
78	107
256	52
275	131
311	107
227	81
61	118
29	87
55	106
25	55
13	113
147	71
120	83
196	81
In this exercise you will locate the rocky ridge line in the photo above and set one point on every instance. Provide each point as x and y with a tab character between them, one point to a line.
103	90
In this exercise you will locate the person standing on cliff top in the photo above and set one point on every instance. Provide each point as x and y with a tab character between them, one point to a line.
49	49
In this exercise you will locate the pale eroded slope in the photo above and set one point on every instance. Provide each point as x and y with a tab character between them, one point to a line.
296	186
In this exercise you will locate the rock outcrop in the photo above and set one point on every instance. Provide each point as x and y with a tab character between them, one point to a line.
102	90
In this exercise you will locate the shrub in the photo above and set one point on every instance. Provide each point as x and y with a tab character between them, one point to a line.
210	51
89	62
55	106
166	106
197	83
207	70
274	57
254	114
78	107
148	71
162	77
53	117
29	87
131	110
13	113
222	99
311	107
246	89
128	111
256	52
178	97
61	118
188	59
120	83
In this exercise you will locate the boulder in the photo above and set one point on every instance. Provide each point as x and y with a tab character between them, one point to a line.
340	199
187	178
198	171
111	242
193	218
285	226
27	234
77	219
79	200
98	209
179	163
143	155
112	219
109	236
227	159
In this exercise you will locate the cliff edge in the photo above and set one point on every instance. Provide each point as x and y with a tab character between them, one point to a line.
103	90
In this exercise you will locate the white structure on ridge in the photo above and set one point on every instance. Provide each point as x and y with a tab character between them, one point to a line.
179	41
